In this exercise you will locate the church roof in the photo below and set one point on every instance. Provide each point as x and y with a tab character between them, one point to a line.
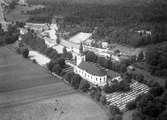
93	68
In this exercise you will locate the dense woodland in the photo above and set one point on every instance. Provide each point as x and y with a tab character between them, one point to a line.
112	22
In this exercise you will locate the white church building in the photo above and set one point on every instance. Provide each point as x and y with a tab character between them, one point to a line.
89	71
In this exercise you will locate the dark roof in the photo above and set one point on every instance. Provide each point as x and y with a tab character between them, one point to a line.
93	68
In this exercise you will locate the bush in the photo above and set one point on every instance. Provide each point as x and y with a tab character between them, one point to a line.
122	86
156	91
84	85
131	105
18	50
34	61
103	100
69	76
25	53
76	81
114	110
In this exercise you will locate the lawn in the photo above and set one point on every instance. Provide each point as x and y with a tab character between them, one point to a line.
69	107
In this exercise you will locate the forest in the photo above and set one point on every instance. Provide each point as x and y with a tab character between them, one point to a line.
114	23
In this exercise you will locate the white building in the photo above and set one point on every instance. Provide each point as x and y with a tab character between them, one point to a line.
91	72
104	44
22	2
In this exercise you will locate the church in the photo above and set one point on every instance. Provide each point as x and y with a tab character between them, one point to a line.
90	71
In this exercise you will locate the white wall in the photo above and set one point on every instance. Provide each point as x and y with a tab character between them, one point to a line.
97	80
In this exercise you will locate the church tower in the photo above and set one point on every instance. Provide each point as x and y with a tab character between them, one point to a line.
80	57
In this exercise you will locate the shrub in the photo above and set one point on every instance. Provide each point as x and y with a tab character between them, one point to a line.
156	91
114	110
34	61
84	85
103	100
131	105
25	53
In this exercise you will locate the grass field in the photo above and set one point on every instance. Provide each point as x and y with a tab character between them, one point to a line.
69	107
17	72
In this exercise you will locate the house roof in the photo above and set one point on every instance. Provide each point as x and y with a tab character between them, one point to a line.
80	37
93	68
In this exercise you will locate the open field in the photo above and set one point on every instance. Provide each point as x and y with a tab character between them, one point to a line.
69	107
18	73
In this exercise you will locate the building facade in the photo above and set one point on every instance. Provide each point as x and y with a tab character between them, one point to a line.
91	72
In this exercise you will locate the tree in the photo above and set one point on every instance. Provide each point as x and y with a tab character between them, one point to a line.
57	69
84	85
1	30
25	53
103	100
65	51
58	39
114	110
13	4
81	48
12	34
156	91
50	65
165	83
69	55
163	116
92	92
137	115
76	81
150	106
140	56
20	24
97	94
90	56
131	105
69	76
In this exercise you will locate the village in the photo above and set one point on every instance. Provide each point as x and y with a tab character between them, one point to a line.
111	74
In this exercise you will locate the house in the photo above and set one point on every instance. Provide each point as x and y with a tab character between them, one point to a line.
91	72
104	44
38	27
23	2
